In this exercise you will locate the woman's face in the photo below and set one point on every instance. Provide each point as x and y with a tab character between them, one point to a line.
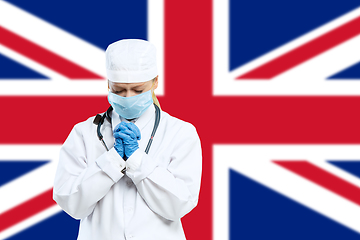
132	89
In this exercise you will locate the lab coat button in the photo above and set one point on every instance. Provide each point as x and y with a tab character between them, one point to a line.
129	182
129	209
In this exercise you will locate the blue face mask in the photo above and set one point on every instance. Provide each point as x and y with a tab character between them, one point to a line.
130	107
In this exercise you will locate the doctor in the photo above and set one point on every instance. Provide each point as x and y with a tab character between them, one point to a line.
126	193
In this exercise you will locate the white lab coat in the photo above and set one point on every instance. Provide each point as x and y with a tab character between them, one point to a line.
148	201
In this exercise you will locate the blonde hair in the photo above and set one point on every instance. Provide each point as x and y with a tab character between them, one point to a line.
155	100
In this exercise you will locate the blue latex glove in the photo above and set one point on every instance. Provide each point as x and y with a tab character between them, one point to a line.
129	133
119	147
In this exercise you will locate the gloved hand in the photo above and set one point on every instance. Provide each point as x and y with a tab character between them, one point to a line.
119	146
129	133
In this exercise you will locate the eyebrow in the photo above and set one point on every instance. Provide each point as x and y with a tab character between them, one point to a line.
120	87
139	86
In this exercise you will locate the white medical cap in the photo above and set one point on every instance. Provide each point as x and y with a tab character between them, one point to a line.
131	61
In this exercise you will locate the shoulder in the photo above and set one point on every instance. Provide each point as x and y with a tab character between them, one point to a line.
85	124
177	124
178	133
85	127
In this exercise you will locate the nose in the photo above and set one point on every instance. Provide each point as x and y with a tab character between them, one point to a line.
129	93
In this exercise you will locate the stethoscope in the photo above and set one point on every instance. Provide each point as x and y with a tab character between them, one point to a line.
99	120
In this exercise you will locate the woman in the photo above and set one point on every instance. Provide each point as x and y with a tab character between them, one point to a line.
125	192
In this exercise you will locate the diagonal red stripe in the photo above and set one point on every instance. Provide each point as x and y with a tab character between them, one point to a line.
305	52
324	179
45	57
26	209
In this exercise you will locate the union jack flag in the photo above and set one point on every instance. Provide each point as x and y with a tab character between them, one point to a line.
271	86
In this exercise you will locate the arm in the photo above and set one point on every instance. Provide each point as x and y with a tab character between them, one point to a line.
170	192
78	184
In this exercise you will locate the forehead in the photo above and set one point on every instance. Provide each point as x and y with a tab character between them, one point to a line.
128	85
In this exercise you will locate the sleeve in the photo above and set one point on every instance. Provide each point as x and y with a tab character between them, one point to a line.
79	185
173	191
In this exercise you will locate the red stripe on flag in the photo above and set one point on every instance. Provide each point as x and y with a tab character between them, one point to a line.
188	93
297	120
324	179
45	57
27	209
45	119
304	52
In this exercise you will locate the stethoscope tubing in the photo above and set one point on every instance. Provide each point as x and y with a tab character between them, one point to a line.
99	120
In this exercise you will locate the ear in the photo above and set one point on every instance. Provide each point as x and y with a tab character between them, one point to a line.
156	82
108	85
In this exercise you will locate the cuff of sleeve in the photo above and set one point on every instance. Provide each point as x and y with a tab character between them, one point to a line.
111	163
134	161
139	166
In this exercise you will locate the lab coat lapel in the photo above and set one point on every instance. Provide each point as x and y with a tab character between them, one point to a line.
115	119
145	118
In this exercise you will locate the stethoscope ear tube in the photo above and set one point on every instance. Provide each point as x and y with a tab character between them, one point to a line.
99	120
107	114
100	136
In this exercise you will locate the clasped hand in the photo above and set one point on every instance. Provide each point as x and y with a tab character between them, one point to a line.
126	139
